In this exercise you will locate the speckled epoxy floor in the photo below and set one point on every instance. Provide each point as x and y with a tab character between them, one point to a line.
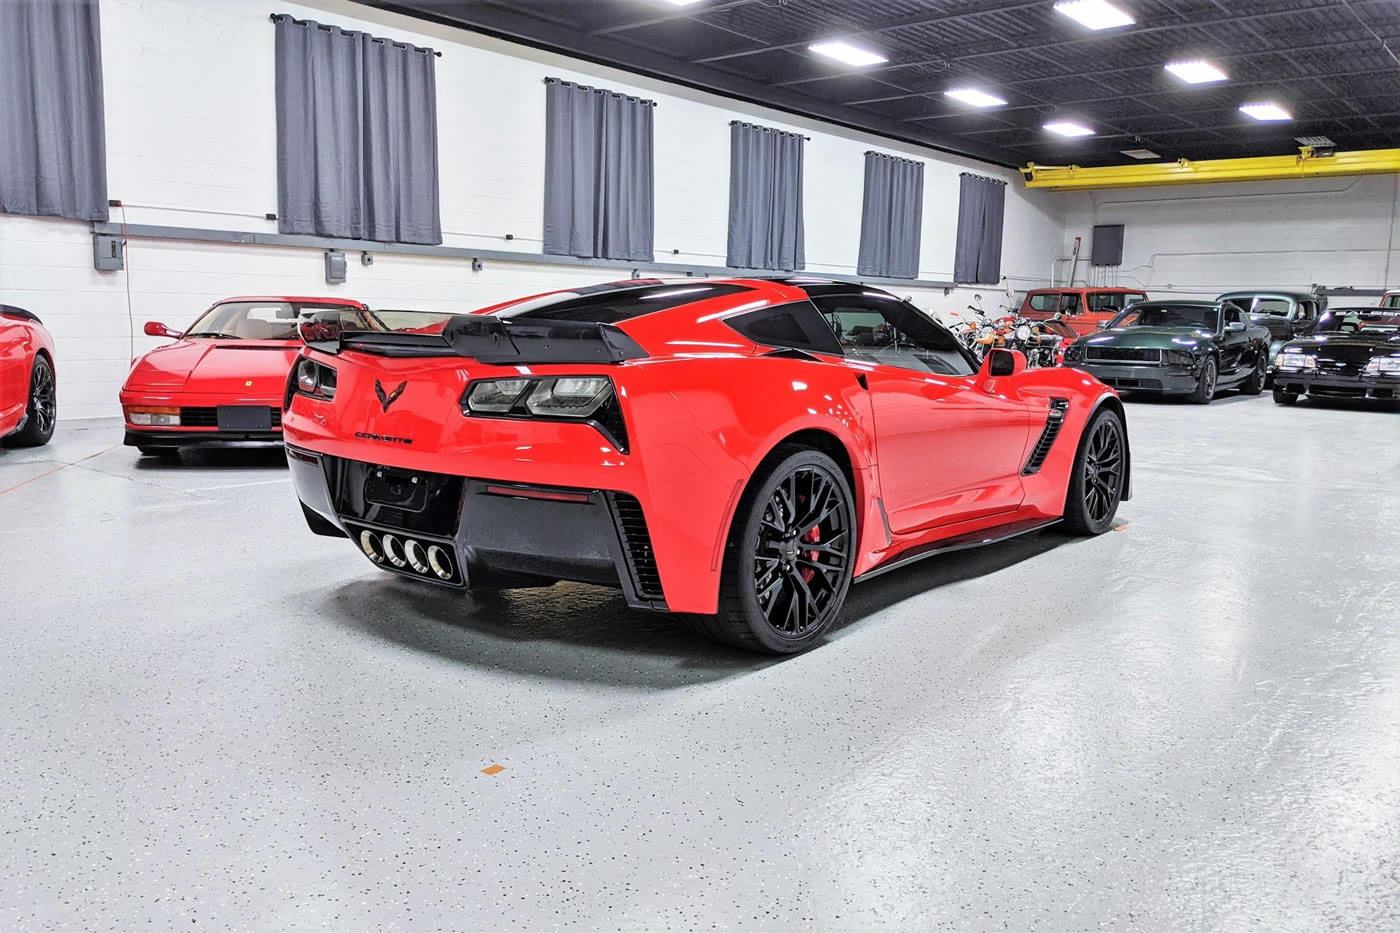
211	718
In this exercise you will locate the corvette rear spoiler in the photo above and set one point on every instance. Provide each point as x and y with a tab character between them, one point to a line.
486	338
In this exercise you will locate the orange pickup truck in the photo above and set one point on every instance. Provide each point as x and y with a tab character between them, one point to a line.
1081	308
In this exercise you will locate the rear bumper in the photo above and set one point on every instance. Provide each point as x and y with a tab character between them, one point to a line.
1313	383
497	534
1153	378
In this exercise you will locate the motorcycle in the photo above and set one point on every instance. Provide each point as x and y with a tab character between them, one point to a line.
1041	341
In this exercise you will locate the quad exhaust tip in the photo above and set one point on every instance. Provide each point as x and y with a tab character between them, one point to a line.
432	560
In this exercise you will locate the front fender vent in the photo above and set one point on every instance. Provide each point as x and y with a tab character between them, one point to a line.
1054	420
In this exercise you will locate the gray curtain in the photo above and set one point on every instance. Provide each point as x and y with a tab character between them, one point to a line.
53	155
598	190
981	211
356	135
892	217
765	198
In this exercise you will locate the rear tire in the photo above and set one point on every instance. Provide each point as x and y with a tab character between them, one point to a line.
1285	398
1255	383
42	409
1100	475
787	564
1205	385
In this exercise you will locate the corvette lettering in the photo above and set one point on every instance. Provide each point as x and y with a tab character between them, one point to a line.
383	438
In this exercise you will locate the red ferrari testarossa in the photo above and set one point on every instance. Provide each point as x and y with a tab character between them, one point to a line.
740	450
220	383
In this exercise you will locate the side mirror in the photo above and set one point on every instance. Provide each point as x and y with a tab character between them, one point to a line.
1000	363
157	329
1235	327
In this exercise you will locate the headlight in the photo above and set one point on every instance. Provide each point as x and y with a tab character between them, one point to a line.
1181	357
1295	359
1023	333
1074	353
154	417
310	378
1384	365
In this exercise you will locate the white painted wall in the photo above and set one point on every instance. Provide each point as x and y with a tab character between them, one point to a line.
1202	240
192	142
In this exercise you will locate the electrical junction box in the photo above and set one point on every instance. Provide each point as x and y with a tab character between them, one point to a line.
335	267
107	254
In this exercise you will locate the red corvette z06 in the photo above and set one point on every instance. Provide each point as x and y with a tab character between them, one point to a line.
736	450
28	389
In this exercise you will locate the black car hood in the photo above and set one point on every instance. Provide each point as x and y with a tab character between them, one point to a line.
1163	338
1349	344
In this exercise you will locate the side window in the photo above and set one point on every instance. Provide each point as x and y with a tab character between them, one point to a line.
1069	303
798	325
1233	315
892	332
1391	301
1046	301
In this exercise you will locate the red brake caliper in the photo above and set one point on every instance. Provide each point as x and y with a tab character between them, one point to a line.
812	537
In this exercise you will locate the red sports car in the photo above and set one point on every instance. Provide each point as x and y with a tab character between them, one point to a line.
28	388
220	383
740	450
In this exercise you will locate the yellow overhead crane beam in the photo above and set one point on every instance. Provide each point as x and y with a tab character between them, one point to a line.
1308	163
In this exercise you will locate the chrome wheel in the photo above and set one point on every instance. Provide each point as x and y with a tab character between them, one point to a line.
43	404
804	552
1103	471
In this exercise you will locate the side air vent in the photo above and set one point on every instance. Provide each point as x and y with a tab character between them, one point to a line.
636	542
1053	422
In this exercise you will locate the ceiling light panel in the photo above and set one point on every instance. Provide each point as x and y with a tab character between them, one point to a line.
1068	128
1141	154
1096	14
975	98
1197	71
847	54
1268	112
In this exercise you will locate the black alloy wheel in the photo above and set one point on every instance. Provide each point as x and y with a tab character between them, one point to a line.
1255	383
42	409
789	558
1205	385
1100	475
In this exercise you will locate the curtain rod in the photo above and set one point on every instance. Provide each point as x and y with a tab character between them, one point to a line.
598	90
768	129
892	158
995	181
278	17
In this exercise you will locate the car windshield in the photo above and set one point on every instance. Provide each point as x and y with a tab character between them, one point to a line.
1353	320
1200	317
1274	307
273	320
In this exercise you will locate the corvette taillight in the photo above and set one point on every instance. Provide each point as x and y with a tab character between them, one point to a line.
309	378
592	399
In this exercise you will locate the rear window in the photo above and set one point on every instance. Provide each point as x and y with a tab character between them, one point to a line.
612	304
798	325
1114	301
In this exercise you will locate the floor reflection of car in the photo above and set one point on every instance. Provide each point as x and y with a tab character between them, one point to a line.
1190	348
1287	314
1082	309
1351	353
221	381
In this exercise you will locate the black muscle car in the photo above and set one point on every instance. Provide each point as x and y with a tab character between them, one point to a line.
1190	348
1351	353
1286	314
